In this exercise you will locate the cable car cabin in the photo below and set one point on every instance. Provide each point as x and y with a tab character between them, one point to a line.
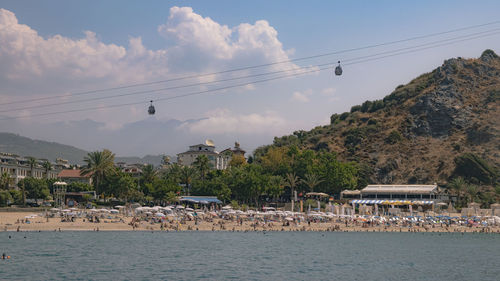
151	109
338	70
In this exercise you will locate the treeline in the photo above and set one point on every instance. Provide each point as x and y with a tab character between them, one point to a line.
273	175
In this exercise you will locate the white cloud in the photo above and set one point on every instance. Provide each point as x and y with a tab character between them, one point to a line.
203	43
30	62
222	121
301	96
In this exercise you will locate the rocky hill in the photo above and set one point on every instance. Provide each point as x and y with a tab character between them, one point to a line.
423	131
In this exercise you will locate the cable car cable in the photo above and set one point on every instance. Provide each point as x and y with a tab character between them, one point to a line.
239	85
255	66
455	39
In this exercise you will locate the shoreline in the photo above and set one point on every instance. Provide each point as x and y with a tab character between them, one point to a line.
14	222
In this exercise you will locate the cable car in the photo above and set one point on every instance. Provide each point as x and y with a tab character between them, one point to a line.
151	109
338	70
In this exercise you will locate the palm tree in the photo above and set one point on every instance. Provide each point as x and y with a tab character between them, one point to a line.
311	180
99	165
458	185
5	180
291	181
202	164
149	174
47	166
472	191
186	175
32	164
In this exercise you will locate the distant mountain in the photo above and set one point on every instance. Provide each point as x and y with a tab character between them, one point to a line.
23	146
441	123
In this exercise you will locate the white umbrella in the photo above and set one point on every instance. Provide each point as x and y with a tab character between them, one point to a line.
179	207
160	215
119	207
114	211
189	209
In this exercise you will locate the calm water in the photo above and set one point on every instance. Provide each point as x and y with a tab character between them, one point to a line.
249	256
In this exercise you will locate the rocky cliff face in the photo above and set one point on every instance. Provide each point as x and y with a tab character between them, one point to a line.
414	134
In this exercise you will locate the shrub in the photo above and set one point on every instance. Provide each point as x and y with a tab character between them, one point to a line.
355	108
394	137
471	166
5	198
344	116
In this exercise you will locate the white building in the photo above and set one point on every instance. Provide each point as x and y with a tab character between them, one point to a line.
187	158
18	168
219	161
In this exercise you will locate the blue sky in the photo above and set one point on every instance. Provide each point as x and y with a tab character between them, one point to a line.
141	41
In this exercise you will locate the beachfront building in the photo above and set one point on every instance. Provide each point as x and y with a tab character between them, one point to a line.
74	175
19	167
400	192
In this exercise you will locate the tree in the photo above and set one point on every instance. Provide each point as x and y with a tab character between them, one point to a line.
47	166
186	175
202	165
311	181
275	187
99	165
149	174
5	180
291	181
237	160
78	187
35	188
458	185
32	164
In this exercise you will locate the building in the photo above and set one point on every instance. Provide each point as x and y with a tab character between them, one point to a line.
18	168
74	175
227	154
219	161
187	158
404	192
134	170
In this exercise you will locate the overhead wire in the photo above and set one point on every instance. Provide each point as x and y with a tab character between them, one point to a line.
468	36
252	67
353	62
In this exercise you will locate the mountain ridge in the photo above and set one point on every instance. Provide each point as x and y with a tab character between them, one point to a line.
415	134
24	146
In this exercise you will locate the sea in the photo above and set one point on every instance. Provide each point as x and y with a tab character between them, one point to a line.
143	255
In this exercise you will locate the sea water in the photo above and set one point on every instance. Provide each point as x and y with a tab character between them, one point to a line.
249	256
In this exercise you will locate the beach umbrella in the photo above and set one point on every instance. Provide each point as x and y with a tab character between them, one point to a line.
179	207
114	211
119	207
189	209
55	210
160	215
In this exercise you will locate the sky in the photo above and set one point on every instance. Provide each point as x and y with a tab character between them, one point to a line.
57	56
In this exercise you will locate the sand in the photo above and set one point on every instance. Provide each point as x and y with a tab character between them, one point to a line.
13	221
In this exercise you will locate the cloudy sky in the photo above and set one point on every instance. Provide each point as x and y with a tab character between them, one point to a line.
83	72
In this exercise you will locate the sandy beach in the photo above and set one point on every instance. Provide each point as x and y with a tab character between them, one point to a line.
16	221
